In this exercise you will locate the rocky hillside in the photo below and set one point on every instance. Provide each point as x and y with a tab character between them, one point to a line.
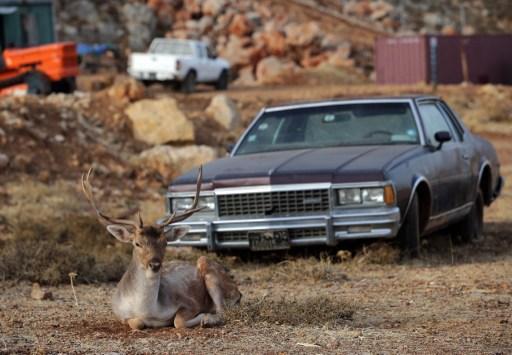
270	41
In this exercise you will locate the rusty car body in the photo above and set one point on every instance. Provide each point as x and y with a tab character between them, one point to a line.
324	172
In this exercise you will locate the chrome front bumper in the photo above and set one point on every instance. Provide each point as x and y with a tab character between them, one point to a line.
319	229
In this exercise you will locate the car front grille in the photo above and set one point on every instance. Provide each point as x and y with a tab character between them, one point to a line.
223	237
307	233
277	203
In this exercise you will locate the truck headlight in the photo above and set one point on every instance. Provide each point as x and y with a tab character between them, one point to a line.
182	203
366	196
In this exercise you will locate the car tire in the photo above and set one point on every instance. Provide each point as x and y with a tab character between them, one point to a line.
409	233
189	83
38	83
471	227
222	81
65	85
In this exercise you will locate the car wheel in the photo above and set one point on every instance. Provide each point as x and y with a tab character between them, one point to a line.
222	82
38	83
189	83
66	85
409	233
472	226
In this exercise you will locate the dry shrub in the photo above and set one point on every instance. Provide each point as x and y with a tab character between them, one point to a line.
46	251
319	311
378	253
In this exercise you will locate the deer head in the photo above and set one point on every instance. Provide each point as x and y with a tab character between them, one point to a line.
149	241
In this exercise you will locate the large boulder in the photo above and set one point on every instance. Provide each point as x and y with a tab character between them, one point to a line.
213	7
159	121
272	70
245	78
236	51
275	43
302	34
240	26
223	110
170	161
127	89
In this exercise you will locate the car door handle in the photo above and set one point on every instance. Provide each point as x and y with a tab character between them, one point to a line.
466	156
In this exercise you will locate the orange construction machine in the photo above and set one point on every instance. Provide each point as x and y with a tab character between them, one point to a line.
30	61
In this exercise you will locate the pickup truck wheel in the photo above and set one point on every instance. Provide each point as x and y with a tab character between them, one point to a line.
38	83
222	82
189	83
409	233
471	227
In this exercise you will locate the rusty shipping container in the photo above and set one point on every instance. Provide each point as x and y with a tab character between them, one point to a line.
478	59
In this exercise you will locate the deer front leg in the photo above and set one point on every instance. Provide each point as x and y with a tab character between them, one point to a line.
135	323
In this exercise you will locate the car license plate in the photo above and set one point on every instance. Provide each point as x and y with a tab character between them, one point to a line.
269	240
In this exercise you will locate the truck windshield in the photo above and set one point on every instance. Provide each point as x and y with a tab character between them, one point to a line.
172	47
331	126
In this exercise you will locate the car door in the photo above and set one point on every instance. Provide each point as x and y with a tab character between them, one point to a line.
201	63
470	157
447	173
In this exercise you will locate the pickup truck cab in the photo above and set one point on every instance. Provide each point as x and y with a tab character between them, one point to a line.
185	62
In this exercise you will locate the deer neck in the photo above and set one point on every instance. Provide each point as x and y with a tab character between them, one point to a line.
144	287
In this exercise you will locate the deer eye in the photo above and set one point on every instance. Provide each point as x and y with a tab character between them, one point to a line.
138	245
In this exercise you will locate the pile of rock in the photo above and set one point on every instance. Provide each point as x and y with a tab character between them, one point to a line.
265	45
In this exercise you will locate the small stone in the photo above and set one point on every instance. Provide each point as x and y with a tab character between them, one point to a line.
4	160
59	138
39	293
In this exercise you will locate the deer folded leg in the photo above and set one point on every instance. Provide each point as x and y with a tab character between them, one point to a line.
187	319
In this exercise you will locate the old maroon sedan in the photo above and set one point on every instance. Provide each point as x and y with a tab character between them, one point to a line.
324	172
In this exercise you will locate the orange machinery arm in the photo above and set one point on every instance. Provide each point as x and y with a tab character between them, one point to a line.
56	60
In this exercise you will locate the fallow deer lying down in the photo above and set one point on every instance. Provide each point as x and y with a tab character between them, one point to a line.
151	294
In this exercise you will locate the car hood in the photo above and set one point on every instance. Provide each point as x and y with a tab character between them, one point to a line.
332	165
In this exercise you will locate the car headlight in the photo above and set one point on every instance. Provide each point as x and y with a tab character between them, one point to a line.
366	196
182	203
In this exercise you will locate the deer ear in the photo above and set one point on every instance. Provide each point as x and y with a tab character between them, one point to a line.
121	233
176	233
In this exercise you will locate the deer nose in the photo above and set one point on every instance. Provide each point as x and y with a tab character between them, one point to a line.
155	265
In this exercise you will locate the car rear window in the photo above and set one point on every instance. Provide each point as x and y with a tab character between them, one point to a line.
172	47
330	126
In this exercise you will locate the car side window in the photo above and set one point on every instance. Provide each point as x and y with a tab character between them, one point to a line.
433	121
453	121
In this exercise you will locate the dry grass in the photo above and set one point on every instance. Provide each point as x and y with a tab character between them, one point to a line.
380	253
316	311
47	251
50	234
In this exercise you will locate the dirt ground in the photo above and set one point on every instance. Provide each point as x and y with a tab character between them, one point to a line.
455	299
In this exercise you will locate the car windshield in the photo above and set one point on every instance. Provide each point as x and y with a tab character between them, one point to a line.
331	126
172	47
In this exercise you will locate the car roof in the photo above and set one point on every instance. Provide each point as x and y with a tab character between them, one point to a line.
337	101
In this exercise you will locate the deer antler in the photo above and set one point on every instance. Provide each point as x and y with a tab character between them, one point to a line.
103	218
175	217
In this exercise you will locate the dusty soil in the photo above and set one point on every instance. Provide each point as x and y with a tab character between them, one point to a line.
455	299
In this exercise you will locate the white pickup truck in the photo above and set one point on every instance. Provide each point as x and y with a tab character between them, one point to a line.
185	62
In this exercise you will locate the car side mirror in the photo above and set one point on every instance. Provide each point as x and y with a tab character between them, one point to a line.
442	137
230	147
